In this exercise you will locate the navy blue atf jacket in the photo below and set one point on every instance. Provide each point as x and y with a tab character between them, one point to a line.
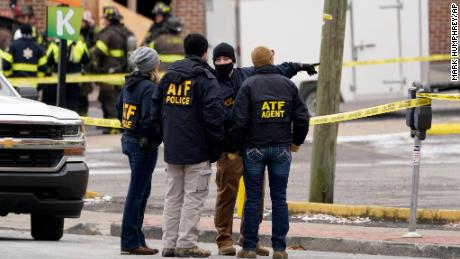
188	106
231	86
134	107
268	111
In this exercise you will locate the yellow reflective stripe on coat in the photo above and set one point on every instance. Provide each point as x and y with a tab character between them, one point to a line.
42	61
100	45
170	58
78	50
7	56
25	67
117	53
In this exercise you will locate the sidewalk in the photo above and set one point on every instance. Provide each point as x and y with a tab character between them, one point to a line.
336	238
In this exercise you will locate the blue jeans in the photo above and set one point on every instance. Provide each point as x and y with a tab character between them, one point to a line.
142	162
278	161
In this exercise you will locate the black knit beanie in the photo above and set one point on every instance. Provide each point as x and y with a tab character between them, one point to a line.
224	50
195	44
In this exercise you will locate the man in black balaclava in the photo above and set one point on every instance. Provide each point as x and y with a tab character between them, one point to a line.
230	169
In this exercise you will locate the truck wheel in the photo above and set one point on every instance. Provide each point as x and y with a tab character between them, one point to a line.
46	227
308	92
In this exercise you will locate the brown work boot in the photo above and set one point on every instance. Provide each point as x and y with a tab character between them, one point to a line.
246	254
141	250
227	250
280	254
193	252
262	251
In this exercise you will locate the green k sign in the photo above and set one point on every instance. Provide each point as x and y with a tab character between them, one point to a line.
64	22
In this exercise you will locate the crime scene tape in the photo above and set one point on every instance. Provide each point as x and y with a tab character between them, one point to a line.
367	112
119	79
333	118
436	57
116	79
446	97
99	122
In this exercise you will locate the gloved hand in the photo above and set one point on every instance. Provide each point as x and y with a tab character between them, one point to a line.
232	156
294	148
310	68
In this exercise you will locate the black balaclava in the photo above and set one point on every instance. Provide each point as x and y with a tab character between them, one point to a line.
224	50
223	71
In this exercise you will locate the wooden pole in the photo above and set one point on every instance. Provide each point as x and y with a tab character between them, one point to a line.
328	99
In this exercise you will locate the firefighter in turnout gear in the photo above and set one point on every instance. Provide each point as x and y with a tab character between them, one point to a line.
111	53
26	16
78	57
24	58
169	44
161	13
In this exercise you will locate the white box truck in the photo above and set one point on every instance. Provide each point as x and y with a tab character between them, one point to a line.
377	29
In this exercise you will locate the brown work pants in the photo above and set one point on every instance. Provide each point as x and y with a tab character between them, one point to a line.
228	177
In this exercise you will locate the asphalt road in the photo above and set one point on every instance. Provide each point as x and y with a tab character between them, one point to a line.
371	169
19	245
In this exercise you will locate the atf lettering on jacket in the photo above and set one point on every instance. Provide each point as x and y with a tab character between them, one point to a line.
130	115
229	101
272	111
180	95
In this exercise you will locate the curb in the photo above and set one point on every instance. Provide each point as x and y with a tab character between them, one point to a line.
375	212
444	129
328	244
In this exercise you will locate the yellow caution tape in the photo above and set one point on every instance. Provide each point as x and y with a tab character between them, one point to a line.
447	97
333	118
108	123
119	79
437	57
115	79
367	112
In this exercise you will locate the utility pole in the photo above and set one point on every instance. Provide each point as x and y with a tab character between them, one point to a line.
325	136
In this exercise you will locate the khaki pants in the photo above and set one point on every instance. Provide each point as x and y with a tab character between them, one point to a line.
228	177
187	190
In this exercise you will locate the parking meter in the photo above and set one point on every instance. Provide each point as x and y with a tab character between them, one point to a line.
419	121
423	115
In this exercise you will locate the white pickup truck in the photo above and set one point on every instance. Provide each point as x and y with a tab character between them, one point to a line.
42	167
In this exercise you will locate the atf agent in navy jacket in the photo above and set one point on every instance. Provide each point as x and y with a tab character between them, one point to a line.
140	143
134	108
190	109
231	86
271	103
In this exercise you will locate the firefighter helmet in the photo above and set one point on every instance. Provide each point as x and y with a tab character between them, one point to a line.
111	13
161	8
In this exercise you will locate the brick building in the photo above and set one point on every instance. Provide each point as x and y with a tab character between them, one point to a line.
439	26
